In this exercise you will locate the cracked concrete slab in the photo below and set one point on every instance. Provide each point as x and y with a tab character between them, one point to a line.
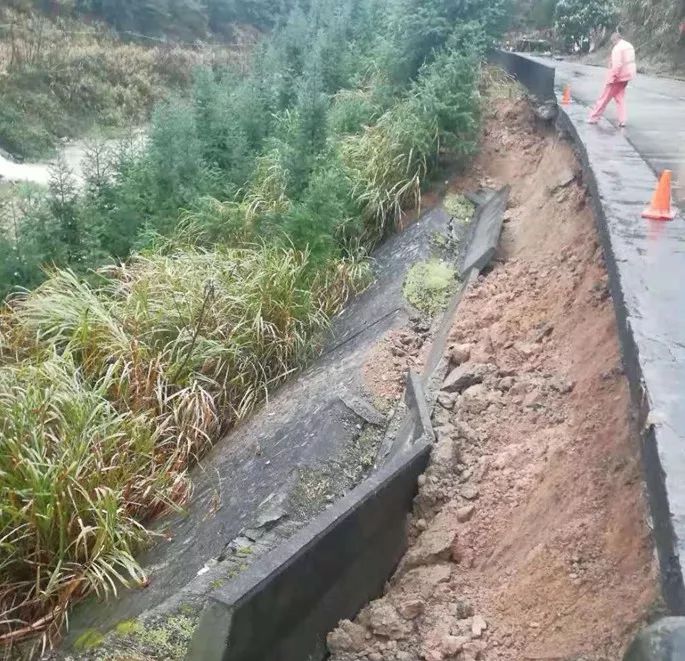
363	409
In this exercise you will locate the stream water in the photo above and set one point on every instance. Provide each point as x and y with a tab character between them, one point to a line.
38	172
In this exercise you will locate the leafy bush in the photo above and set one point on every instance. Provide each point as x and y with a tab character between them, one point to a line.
575	20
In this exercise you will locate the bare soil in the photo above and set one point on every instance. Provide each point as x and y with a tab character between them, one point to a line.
387	363
529	537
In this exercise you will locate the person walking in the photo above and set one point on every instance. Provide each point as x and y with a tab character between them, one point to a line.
622	69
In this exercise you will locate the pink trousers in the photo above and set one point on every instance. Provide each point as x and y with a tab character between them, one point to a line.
616	91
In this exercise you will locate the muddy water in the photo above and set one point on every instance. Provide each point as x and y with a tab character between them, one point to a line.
39	172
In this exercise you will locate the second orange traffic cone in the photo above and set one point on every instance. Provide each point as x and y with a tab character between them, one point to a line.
566	96
660	206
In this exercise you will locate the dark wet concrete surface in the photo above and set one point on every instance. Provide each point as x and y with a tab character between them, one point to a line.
304	424
656	114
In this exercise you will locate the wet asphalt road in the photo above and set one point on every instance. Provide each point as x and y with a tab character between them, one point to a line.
656	114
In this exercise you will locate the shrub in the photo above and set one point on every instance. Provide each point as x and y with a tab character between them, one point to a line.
352	110
575	20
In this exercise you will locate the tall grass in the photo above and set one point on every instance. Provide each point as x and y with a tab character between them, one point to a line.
109	393
75	474
389	160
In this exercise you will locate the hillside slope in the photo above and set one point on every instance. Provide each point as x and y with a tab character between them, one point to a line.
62	75
655	27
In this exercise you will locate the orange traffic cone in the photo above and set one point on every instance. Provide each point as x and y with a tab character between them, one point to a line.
566	96
660	207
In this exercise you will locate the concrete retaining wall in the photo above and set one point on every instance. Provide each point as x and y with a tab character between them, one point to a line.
482	241
626	282
414	425
537	78
283	606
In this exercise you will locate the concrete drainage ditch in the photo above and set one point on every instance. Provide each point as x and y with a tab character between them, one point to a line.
282	607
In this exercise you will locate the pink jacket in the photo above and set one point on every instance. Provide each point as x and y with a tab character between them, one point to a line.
623	67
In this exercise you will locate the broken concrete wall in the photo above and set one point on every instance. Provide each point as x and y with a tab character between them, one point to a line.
482	241
283	606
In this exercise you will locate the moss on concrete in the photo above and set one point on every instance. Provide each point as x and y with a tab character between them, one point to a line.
321	485
170	638
164	637
429	284
459	207
127	627
89	640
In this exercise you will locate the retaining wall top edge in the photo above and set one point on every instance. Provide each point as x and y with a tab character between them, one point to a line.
278	559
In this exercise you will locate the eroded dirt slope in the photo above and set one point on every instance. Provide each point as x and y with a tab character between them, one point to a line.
529	535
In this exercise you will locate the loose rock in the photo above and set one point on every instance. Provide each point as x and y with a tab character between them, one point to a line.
464	376
465	513
435	543
475	399
411	609
385	621
451	645
463	610
478	626
470	493
348	637
459	354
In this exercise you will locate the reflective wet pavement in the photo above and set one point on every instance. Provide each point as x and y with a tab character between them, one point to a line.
656	114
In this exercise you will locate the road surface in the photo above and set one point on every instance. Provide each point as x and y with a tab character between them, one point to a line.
656	114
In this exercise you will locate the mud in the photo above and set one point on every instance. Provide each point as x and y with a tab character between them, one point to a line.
529	534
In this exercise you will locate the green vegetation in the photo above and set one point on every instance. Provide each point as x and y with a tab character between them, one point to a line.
195	271
575	21
162	638
654	25
460	208
60	77
127	627
428	285
88	640
180	19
